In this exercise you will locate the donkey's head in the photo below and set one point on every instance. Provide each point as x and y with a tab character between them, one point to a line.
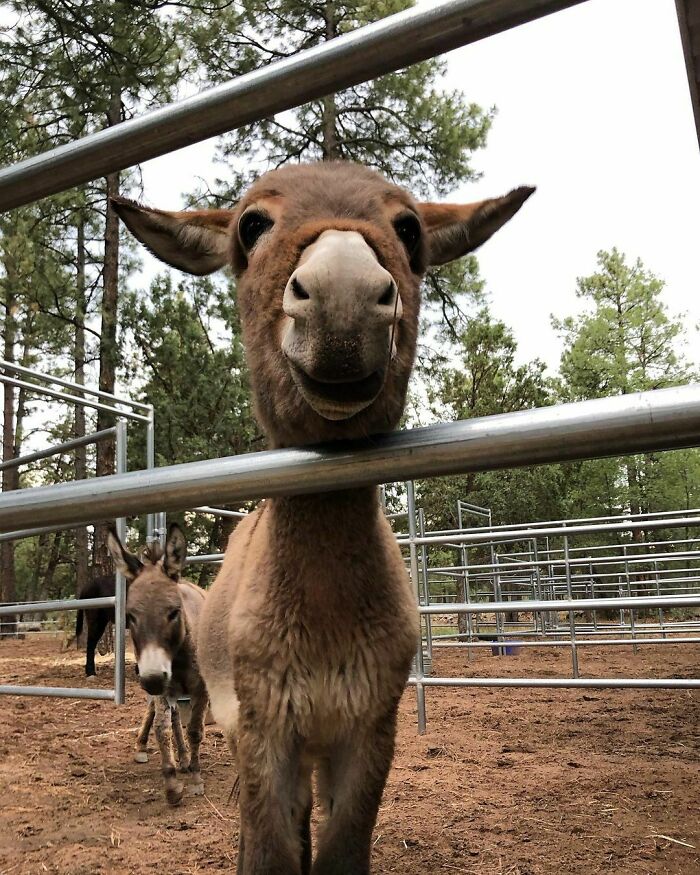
328	259
154	611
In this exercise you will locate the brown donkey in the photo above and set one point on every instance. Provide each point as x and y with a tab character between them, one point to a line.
308	632
162	614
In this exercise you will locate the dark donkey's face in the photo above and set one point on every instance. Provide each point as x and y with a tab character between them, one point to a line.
154	610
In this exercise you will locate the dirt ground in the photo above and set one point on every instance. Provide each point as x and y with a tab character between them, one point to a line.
515	781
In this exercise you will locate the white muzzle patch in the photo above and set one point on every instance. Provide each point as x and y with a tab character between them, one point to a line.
154	662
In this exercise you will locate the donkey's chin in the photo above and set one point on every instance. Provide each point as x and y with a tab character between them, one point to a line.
338	400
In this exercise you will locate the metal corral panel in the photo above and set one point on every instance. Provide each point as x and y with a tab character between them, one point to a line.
689	21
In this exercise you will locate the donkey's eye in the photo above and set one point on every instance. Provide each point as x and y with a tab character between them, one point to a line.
173	615
252	226
408	230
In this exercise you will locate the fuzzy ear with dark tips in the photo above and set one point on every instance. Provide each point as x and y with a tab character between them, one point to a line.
457	229
175	551
196	241
124	561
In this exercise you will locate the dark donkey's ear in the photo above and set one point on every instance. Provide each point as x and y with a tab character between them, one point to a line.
196	241
456	229
175	551
124	561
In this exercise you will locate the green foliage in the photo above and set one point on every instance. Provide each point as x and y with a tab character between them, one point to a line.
186	353
626	341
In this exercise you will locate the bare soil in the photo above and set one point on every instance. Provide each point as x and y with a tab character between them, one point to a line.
516	781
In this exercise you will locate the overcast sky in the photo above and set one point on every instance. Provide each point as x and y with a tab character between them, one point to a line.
594	109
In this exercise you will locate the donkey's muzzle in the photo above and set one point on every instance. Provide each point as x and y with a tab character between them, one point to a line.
155	685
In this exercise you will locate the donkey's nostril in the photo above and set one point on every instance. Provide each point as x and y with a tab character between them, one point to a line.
299	291
387	298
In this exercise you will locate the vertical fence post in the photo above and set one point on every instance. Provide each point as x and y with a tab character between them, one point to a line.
572	621
658	593
120	585
465	583
629	593
413	552
426	583
150	463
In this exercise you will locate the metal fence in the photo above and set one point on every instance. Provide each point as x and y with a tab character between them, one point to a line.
643	422
124	410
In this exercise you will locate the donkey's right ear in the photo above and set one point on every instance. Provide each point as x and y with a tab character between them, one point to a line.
124	561
196	241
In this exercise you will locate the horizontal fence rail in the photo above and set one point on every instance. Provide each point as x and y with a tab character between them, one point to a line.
58	449
56	605
643	422
383	47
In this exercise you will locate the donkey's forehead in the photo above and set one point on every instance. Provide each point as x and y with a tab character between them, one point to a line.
153	586
330	189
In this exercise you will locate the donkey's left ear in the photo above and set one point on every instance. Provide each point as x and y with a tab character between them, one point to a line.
196	241
457	229
175	551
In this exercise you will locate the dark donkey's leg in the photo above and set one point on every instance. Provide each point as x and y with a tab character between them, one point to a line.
97	620
140	753
173	788
195	730
269	841
352	784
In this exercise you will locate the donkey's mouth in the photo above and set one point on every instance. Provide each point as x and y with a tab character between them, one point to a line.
338	399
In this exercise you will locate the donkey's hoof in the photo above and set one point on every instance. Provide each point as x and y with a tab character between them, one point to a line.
140	756
174	794
196	788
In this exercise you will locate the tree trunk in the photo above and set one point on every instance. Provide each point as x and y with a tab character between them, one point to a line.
330	141
81	535
52	565
108	339
8	588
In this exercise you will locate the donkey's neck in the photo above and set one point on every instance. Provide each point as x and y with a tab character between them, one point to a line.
333	516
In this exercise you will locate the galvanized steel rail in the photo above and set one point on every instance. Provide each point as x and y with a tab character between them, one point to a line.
383	47
646	421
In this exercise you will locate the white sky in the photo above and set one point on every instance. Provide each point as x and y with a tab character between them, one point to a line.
594	109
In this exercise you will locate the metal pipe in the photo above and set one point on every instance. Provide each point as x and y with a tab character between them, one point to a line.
67	384
71	399
218	511
563	605
58	692
18	534
59	605
150	464
564	683
413	550
383	47
573	530
443	641
664	418
120	585
65	447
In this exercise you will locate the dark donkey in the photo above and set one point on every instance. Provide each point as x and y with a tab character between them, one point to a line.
97	619
162	614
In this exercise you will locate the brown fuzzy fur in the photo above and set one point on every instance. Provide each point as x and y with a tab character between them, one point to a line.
308	632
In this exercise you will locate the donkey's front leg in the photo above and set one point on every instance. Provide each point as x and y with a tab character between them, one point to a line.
351	784
183	754
273	805
195	730
173	788
141	752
